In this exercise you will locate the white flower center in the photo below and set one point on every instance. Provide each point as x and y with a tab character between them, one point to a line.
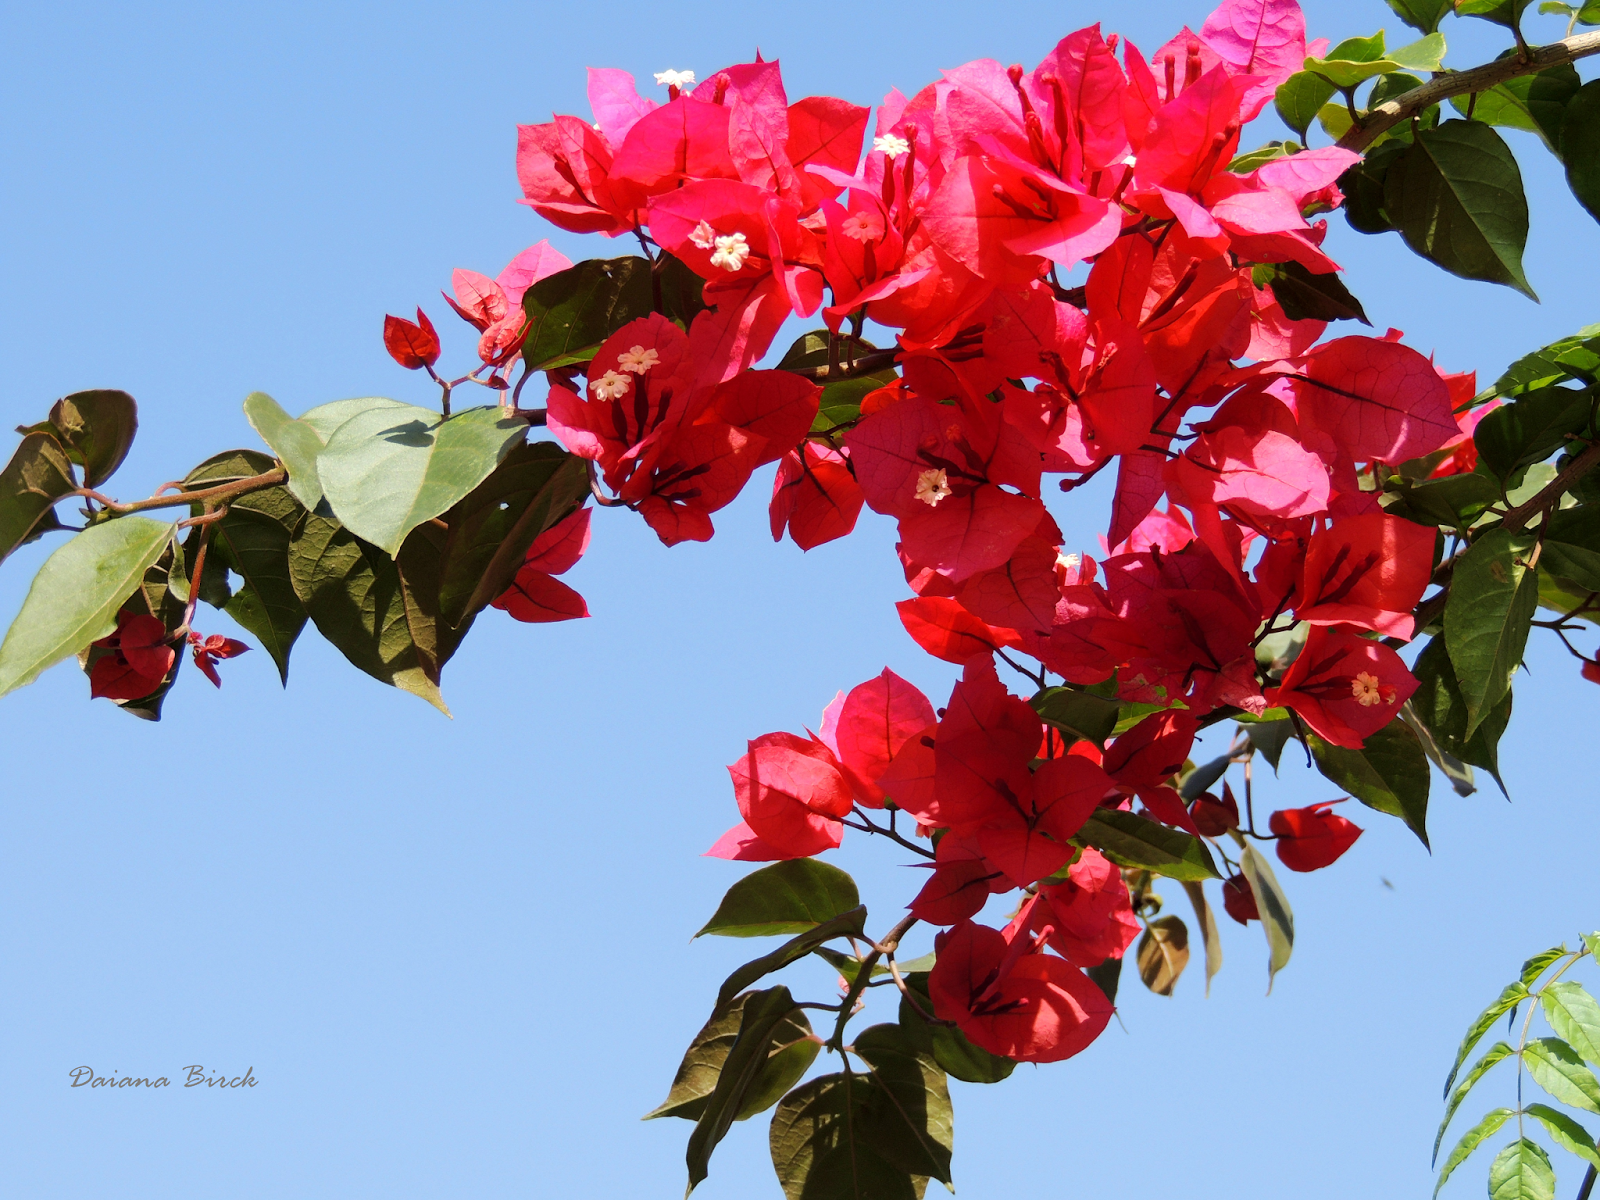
677	79
703	235
863	227
892	145
1070	561
933	485
610	386
638	360
731	252
1366	689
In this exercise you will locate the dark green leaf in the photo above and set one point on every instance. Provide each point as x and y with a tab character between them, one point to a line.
1532	103
352	590
1575	357
1106	977
1496	1053
1422	15
840	403
909	1122
387	470
679	288
1300	97
1540	963
1277	918
1514	995
787	897
1079	715
819	1150
1522	1170
1363	187
1456	197
1130	840
297	443
1470	1141
1566	1132
1531	428
948	1045
1574	1016
1270	737
97	428
37	477
1389	773
1304	296
1558	1069
76	594
1493	597
491	528
1572	548
1501	12
811	350
571	312
764	1017
1439	705
791	1048
1198	781
1453	500
850	924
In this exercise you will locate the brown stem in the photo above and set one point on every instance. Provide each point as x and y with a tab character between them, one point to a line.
889	944
1551	492
1459	83
223	491
868	364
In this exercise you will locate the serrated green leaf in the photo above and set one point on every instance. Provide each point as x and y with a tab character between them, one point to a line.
850	924
1566	1132
1513	995
1470	1141
297	443
1574	1016
1556	1067
1496	1053
572	312
1540	963
385	471
1130	840
1493	597
76	594
1522	1172
1456	196
787	897
1277	918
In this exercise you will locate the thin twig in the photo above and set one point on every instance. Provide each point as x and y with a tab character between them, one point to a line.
223	491
889	944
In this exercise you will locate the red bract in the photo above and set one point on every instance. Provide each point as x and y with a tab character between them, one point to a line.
959	887
413	346
1369	571
946	630
1010	998
535	595
1375	398
867	728
815	496
1239	900
1090	915
1345	687
1590	670
791	794
208	651
1312	838
139	659
1214	817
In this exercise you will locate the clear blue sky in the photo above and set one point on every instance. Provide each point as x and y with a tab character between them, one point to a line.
456	952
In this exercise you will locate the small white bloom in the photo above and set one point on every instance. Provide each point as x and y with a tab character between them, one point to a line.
1365	688
638	360
731	252
892	145
1070	561
933	485
675	79
703	235
862	226
610	386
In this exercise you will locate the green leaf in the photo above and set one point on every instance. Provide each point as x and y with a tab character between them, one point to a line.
97	427
764	1017
1556	1067
1277	918
1456	197
1299	98
1107	976
791	1048
1270	737
1439	705
1422	15
1454	500
490	529
948	1045
1198	781
76	594
1347	67
787	897
1493	597
1592	942
1243	164
1513	995
850	924
1501	12
1522	1170
848	965
1589	14
1580	146
910	1122
810	350
325	419
1575	1017
1389	773
1304	296
1363	187
1572	358
1532	103
1531	428
1566	1132
1163	953
1496	1053
353	591
681	291
820	1144
1130	840
1082	716
1209	933
571	312
840	403
386	471
37	477
1470	1141
1540	963
297	443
